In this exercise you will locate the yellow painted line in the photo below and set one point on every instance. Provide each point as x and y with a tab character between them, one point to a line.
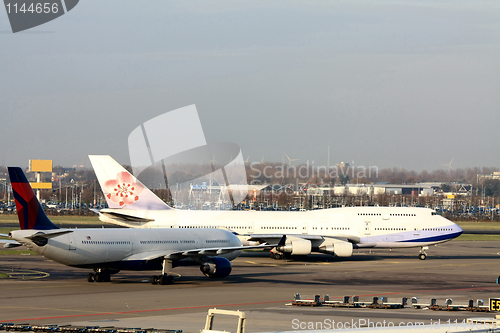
28	274
263	265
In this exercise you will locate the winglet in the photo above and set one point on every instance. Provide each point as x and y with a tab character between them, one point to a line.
29	210
121	188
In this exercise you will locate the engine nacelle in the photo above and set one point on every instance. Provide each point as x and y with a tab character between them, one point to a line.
296	247
217	268
340	249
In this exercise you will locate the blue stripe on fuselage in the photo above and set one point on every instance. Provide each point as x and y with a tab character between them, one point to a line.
437	238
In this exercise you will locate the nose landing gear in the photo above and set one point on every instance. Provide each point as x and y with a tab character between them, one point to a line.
422	255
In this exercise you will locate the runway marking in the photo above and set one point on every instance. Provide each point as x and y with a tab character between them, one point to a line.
263	265
294	263
24	274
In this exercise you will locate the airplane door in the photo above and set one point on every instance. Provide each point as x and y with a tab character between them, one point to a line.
368	229
196	239
305	229
71	243
385	214
250	227
416	230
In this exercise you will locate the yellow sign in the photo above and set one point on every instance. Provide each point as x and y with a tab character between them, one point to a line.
451	196
41	165
41	186
494	304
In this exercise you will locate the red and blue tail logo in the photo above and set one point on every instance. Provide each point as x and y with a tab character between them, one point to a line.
29	211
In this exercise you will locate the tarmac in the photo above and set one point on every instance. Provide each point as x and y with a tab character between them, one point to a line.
40	291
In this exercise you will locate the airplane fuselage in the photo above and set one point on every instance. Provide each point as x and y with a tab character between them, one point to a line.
125	249
366	227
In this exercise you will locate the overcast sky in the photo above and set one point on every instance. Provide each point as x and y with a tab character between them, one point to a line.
384	83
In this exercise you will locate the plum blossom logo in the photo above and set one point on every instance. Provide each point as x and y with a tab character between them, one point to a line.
123	190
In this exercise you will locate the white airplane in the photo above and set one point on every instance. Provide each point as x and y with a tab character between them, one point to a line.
107	251
334	231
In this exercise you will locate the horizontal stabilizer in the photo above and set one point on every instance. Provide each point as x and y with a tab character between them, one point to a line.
125	217
9	243
41	238
41	235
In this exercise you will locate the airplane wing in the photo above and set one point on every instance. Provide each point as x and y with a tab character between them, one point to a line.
206	252
346	238
268	238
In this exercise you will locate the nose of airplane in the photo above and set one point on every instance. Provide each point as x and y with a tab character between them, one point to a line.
456	230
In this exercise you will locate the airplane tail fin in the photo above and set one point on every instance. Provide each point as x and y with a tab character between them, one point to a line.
121	188
29	210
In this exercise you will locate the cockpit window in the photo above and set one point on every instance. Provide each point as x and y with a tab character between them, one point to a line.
433	213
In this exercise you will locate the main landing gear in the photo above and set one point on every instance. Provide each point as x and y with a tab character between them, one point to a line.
164	278
100	275
422	255
277	255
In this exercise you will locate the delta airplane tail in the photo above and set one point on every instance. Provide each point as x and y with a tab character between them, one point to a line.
121	188
29	210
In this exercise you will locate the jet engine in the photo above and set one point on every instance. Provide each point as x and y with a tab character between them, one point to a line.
296	247
216	268
340	249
